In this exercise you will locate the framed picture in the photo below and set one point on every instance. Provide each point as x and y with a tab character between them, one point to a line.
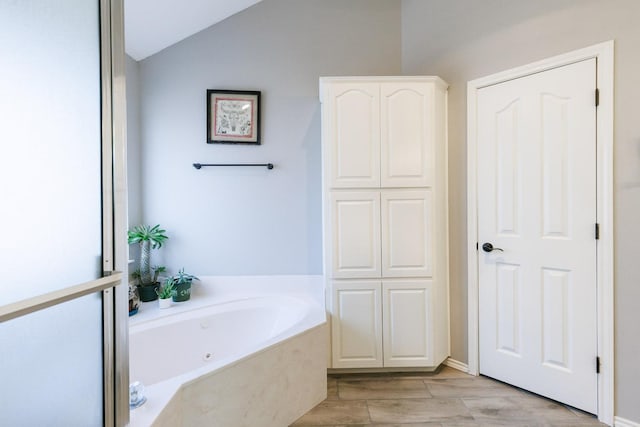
233	117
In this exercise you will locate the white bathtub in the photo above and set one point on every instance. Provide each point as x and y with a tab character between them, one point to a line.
238	355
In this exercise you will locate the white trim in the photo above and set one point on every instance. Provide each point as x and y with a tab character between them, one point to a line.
621	422
603	53
446	219
379	79
456	364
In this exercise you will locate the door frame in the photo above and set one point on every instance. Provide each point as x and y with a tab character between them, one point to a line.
114	215
604	55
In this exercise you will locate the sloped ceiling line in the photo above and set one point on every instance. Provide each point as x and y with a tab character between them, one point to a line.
153	25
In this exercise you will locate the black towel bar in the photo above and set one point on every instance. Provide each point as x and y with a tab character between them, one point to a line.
200	165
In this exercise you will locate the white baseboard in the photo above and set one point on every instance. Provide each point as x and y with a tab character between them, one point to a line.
452	363
621	422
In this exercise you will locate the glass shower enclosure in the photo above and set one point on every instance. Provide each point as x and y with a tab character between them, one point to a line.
59	219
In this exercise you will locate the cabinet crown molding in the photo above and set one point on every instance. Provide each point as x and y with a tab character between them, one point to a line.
382	79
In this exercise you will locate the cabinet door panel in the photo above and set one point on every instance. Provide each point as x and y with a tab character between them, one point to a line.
407	235
408	323
355	234
407	134
353	129
356	325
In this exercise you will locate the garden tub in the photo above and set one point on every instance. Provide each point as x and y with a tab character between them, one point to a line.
247	358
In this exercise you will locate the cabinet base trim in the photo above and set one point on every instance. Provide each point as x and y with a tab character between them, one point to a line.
378	370
455	364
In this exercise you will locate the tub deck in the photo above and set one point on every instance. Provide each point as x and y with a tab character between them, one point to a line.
270	384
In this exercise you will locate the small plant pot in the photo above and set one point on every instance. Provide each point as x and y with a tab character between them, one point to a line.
164	302
149	292
182	292
134	299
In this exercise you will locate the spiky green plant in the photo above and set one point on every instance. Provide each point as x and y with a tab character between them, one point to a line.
167	290
148	238
156	271
181	277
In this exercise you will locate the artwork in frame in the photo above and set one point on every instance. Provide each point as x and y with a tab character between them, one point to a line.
233	117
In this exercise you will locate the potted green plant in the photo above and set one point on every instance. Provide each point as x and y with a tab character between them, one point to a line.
165	294
134	299
149	291
182	285
148	238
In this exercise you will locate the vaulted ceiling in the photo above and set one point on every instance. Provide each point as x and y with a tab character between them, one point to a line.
152	25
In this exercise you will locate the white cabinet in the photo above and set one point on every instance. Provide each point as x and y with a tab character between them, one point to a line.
407	324
379	134
388	324
407	134
356	326
385	220
355	244
386	233
407	233
352	121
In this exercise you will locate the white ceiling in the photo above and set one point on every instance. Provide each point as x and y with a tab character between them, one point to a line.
152	25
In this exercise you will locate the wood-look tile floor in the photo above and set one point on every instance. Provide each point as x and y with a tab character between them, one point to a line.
448	398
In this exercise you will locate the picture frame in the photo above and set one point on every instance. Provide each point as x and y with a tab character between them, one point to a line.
233	117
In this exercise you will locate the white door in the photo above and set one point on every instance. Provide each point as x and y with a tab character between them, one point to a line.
355	234
356	324
407	234
537	204
407	323
352	126
407	123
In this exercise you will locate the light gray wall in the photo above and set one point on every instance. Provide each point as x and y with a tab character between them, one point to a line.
134	179
467	39
134	182
240	220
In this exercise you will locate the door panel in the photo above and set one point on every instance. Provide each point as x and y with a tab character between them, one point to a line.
407	323
50	180
52	361
507	299
508	191
536	186
556	294
50	187
407	134
353	125
407	235
356	325
555	166
356	234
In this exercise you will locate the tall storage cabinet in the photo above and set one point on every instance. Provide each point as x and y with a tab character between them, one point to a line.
384	153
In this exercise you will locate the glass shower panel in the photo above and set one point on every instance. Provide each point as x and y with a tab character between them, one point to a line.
50	178
51	362
51	366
